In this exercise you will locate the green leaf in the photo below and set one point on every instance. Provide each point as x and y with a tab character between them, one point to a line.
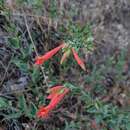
3	103
128	126
13	115
32	111
22	103
14	42
21	65
35	74
1	3
41	100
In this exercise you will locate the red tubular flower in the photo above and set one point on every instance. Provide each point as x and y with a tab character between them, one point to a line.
79	61
43	112
57	93
65	55
58	97
41	59
53	91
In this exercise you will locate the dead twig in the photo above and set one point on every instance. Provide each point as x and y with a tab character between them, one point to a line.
44	18
28	30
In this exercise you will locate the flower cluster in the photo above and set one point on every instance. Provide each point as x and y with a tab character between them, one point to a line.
41	59
57	93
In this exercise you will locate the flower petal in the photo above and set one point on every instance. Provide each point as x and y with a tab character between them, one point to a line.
57	98
43	112
78	59
55	91
41	59
65	55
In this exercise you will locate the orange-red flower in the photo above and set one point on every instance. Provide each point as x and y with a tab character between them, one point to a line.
41	59
65	55
57	93
54	91
79	61
43	112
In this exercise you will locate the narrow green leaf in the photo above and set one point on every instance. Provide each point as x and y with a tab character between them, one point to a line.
3	103
14	42
22	103
13	115
32	110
